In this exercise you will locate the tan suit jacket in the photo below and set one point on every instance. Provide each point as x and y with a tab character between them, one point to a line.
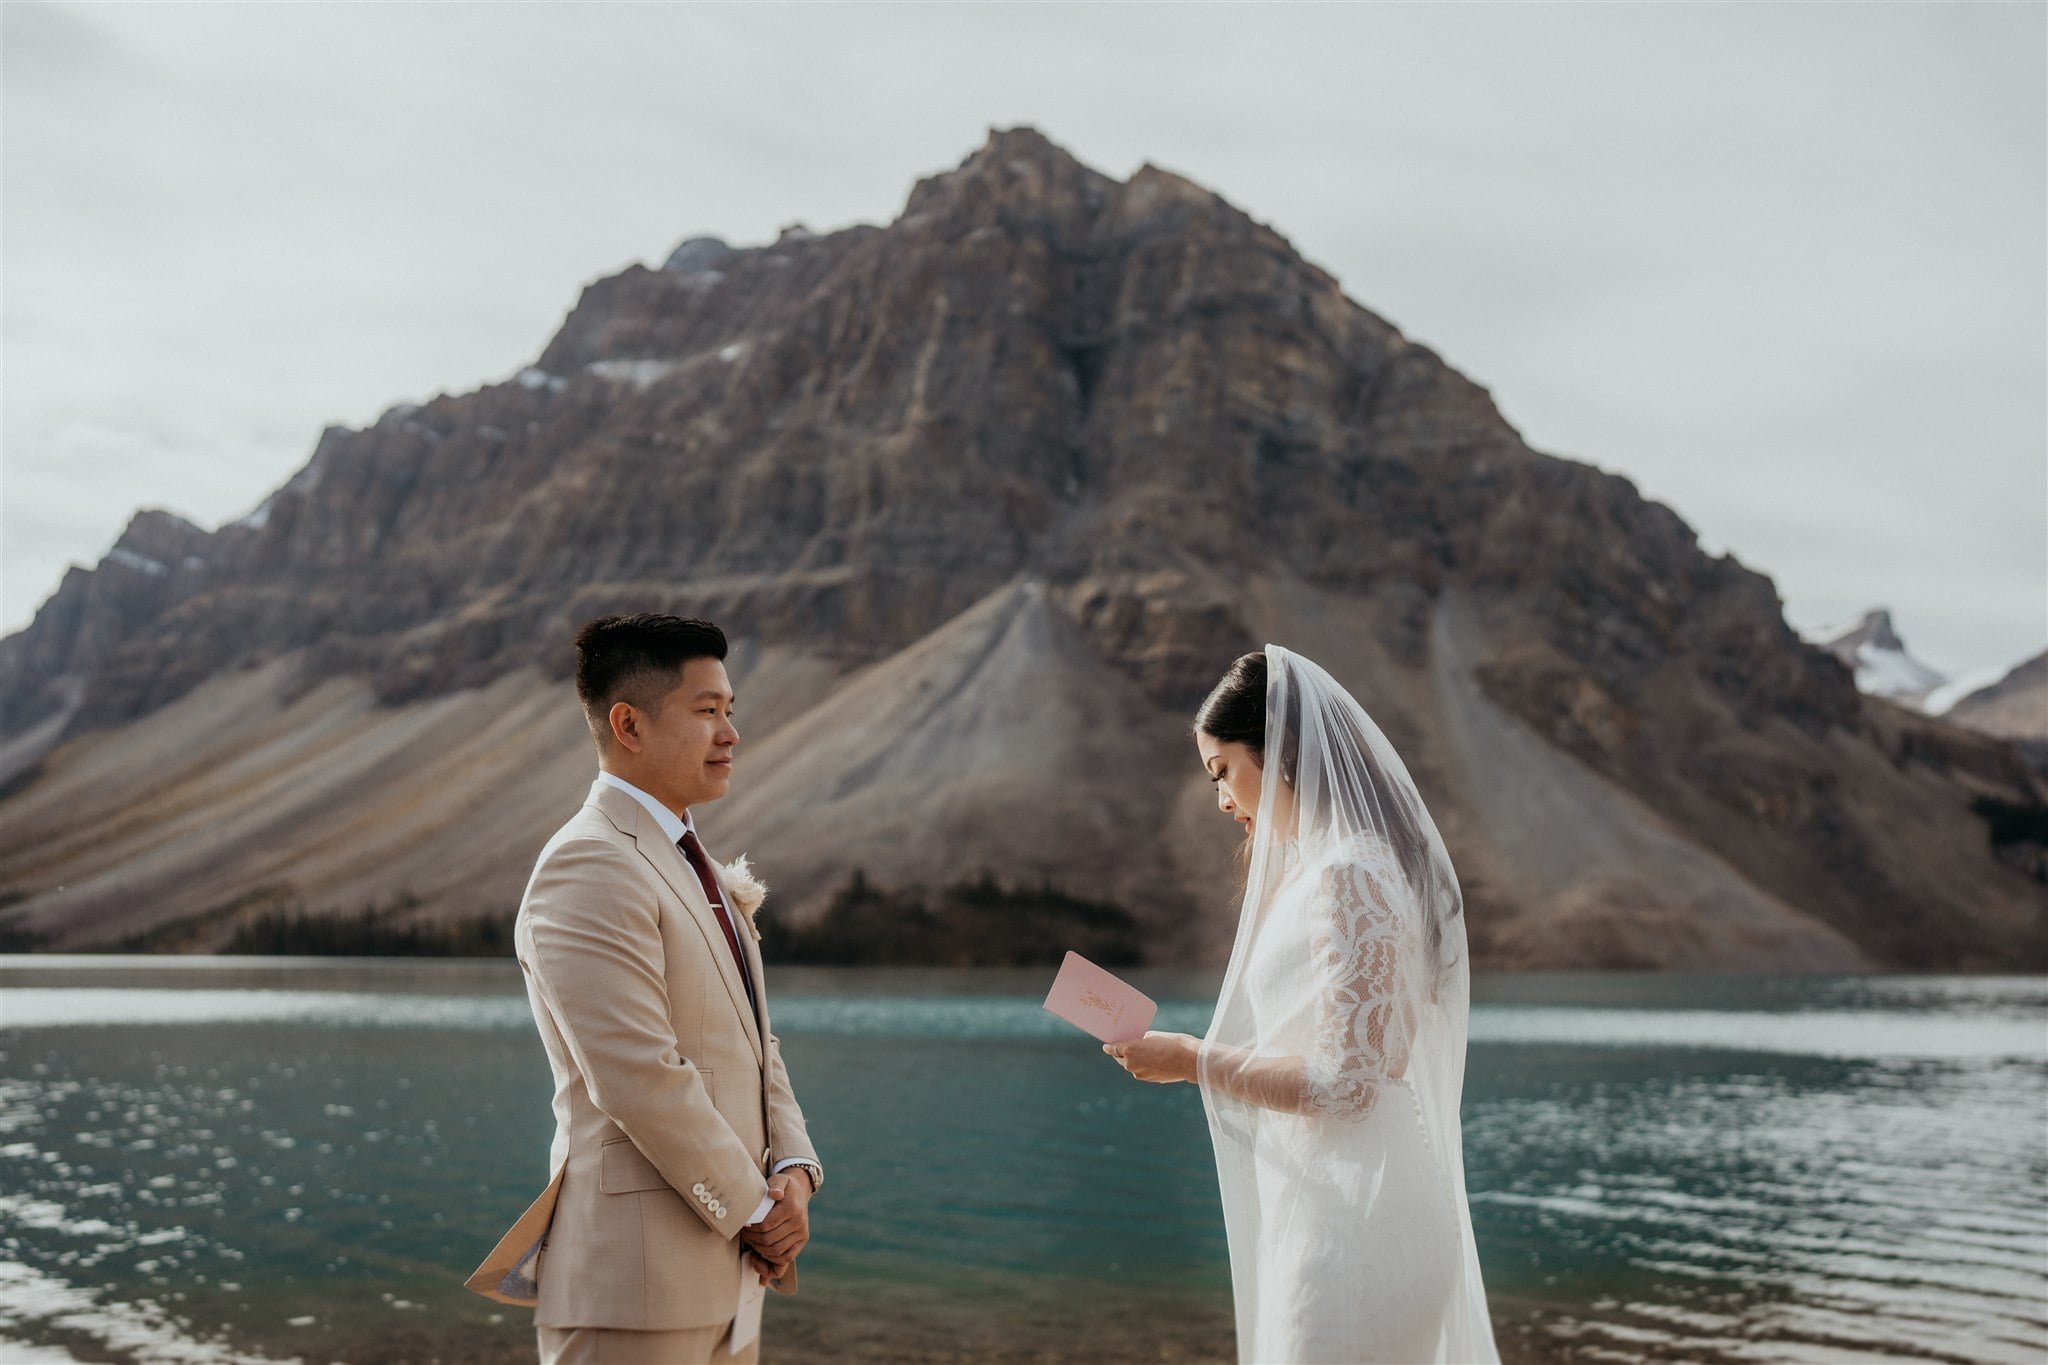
671	1101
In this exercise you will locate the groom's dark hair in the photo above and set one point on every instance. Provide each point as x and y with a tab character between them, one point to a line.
636	659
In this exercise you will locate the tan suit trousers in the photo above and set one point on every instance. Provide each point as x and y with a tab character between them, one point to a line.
617	1346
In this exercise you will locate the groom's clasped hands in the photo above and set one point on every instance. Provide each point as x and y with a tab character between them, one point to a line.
773	1243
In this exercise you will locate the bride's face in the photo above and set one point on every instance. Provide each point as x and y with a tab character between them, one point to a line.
1235	770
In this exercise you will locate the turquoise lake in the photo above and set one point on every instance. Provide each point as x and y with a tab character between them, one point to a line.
221	1160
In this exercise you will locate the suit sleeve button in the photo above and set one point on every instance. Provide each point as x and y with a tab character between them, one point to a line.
698	1189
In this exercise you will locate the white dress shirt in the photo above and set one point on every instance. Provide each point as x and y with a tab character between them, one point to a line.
673	826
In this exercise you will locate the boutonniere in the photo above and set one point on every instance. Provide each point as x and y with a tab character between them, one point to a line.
747	891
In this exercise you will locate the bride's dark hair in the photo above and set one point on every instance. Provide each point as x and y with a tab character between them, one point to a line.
1234	712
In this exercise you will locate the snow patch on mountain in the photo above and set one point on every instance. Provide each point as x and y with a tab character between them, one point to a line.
1882	664
1894	673
638	373
132	560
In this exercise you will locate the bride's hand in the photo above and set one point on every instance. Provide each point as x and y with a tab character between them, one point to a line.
1160	1057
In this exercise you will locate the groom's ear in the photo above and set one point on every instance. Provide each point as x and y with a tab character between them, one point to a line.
624	720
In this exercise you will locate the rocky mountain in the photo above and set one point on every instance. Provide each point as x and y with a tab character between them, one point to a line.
2014	707
1882	665
987	498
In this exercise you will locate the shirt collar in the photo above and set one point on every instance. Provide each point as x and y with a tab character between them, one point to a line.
671	824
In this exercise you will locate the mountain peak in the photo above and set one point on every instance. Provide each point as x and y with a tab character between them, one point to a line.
1878	631
2012	704
698	255
156	538
1021	143
1880	660
157	521
1016	166
986	499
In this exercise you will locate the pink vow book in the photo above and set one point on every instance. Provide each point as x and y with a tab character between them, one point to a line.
1099	1004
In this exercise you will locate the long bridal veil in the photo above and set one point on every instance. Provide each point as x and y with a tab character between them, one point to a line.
1333	1068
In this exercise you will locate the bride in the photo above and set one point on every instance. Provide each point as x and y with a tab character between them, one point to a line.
1332	1070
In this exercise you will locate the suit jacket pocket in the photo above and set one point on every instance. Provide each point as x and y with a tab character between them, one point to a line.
624	1168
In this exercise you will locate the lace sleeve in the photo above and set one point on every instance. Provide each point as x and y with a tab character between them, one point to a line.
1361	1027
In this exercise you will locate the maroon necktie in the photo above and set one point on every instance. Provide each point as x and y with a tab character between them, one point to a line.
693	851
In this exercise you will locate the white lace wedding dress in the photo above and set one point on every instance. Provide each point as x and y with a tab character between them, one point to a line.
1333	1070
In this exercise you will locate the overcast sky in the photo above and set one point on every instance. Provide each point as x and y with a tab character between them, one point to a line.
1784	267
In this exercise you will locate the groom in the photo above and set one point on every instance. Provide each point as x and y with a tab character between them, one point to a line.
682	1171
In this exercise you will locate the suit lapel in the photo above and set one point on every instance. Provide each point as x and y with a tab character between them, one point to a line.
632	818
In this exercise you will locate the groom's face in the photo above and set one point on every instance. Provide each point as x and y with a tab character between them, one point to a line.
686	747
